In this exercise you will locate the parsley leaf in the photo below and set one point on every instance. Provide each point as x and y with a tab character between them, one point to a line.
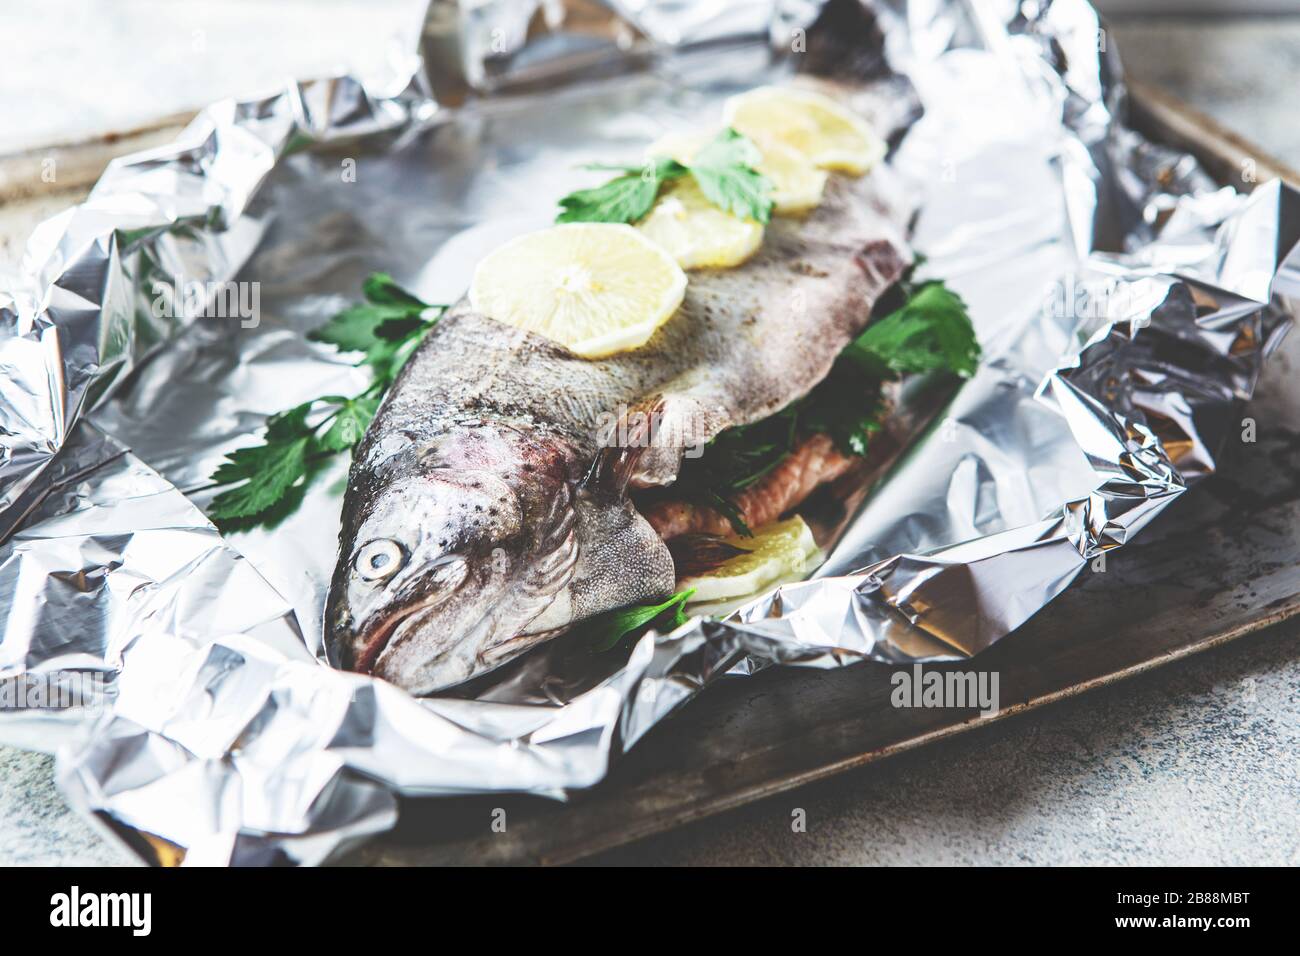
931	331
605	631
270	479
724	170
625	198
288	424
350	423
387	356
389	314
270	469
380	289
356	328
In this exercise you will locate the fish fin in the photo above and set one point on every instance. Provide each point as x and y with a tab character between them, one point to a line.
695	554
617	461
611	471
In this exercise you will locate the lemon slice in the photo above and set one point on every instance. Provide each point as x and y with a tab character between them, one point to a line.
697	233
796	183
596	287
826	133
777	551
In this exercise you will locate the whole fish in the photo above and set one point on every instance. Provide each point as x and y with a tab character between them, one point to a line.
487	506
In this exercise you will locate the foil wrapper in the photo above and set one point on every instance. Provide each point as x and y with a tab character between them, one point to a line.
1125	304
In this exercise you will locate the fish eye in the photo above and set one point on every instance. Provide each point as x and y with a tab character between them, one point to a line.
379	559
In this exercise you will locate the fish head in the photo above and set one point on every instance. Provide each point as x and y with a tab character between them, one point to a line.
442	567
427	559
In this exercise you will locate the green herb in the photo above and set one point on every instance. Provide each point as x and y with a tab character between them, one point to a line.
380	289
625	198
930	331
736	459
269	479
723	169
350	421
846	405
604	631
727	508
267	472
389	315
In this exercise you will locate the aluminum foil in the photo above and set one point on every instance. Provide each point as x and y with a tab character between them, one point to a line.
1125	304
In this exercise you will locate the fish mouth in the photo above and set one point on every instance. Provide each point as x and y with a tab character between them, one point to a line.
383	634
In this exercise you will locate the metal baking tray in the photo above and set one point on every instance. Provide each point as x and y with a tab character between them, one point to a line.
1159	600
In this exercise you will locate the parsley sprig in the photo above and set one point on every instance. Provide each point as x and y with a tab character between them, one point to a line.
930	331
724	169
605	631
725	172
268	480
625	198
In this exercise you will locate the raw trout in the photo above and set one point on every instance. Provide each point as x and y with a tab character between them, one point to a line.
487	506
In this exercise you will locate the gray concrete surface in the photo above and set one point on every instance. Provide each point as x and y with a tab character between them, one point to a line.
36	826
1195	763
